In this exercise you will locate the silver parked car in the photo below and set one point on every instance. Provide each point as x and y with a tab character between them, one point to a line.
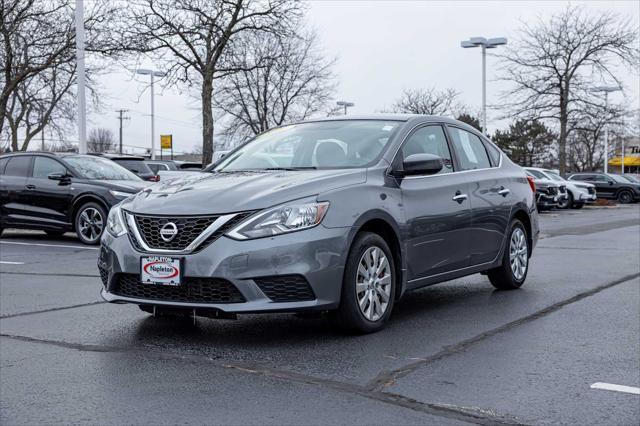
577	193
341	214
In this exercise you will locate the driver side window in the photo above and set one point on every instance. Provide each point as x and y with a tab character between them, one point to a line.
429	140
43	167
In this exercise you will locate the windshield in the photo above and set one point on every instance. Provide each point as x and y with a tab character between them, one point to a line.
619	179
536	174
631	179
317	145
554	175
99	168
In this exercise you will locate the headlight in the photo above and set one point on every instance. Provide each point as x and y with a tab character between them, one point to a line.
120	194
281	220
115	222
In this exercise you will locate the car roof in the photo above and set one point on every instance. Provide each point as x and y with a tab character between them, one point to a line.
121	156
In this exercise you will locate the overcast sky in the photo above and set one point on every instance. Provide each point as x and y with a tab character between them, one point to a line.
382	48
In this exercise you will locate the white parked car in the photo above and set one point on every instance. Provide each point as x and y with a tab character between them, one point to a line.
578	193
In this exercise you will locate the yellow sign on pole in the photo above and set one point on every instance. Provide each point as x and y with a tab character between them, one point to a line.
166	141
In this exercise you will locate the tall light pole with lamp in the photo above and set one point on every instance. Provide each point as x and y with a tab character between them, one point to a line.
607	90
346	105
82	110
485	44
153	74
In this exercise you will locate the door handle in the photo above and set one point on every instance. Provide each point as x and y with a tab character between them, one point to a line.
459	197
30	186
504	191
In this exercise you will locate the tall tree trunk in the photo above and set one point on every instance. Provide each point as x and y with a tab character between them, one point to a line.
564	118
207	121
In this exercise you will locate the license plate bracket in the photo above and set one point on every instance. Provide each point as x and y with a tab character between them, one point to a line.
161	270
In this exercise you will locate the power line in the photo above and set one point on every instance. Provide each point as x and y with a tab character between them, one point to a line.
120	118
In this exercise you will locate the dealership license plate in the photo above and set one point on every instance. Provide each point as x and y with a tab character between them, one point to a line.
161	270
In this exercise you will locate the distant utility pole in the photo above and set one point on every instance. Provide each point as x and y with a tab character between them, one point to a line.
120	118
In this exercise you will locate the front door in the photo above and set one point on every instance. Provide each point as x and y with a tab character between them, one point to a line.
50	200
437	211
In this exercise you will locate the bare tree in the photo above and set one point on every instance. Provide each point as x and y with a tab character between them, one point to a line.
528	143
101	140
293	82
37	64
426	101
195	40
554	63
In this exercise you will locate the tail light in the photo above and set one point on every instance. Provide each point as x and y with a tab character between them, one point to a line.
532	184
155	178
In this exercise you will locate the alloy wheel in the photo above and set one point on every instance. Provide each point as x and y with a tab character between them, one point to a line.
373	283
518	253
91	224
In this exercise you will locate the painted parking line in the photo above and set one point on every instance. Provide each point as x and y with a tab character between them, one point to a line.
49	245
616	388
6	262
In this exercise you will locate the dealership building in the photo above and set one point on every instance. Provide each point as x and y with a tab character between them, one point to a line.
631	157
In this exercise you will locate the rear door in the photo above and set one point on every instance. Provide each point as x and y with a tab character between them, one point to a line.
50	200
14	204
437	211
489	194
605	187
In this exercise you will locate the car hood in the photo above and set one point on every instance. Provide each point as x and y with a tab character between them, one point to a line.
208	193
132	186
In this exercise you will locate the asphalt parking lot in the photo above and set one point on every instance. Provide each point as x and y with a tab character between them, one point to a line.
458	352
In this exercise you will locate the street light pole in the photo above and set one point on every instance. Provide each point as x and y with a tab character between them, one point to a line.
485	44
82	109
345	104
607	90
153	74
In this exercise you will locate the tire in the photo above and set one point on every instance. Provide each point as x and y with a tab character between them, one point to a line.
504	277
577	206
568	203
625	197
55	234
90	221
357	290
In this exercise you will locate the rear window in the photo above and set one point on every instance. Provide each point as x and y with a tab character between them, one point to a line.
136	166
18	166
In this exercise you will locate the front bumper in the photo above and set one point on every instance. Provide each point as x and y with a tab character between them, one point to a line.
546	201
317	254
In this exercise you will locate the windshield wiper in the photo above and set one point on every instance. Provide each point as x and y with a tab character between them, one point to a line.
292	168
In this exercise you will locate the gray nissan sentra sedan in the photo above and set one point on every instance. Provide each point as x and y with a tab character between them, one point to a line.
344	214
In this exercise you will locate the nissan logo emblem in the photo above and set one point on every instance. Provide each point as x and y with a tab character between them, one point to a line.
169	231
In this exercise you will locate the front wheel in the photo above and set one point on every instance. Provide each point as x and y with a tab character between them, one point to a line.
368	285
90	221
567	202
515	262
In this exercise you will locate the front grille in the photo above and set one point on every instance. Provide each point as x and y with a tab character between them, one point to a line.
285	288
192	290
189	228
552	190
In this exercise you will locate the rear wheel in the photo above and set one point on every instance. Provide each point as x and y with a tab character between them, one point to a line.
515	262
90	221
625	197
368	285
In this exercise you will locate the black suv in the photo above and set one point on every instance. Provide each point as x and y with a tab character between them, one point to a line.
611	186
61	193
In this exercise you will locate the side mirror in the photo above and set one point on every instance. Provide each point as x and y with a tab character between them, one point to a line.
421	164
61	177
611	182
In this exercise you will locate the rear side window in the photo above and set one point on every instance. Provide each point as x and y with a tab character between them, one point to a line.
429	140
494	154
470	149
18	166
43	167
3	164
